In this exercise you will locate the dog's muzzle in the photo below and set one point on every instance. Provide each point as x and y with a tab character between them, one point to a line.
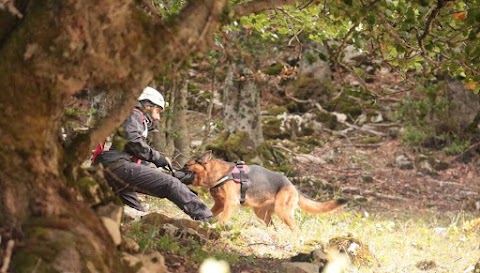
186	177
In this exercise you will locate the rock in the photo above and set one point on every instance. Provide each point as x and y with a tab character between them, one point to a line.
300	267
426	265
403	162
464	107
154	262
180	227
329	157
131	214
146	263
307	158
111	216
440	231
317	256
470	269
356	251
113	229
211	265
338	263
129	245
426	168
366	179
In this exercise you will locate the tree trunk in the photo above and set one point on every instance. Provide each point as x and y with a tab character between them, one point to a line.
56	50
242	104
180	125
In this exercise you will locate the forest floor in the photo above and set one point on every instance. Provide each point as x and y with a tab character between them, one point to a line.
414	219
407	218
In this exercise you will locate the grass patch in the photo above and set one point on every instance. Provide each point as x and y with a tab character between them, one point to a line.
398	241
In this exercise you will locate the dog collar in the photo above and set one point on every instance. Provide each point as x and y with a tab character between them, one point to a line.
222	181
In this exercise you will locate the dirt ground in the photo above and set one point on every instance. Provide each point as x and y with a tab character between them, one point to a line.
369	176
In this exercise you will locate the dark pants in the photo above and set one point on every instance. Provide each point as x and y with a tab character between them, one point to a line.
127	178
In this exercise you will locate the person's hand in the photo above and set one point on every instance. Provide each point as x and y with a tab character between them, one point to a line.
169	164
184	177
162	162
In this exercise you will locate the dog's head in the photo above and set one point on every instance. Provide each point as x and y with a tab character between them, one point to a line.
199	168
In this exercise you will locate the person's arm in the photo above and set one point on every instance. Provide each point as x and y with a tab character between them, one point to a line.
136	144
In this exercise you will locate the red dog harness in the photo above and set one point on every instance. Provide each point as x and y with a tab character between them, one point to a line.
239	174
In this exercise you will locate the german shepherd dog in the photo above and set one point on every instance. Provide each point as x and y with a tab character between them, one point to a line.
268	192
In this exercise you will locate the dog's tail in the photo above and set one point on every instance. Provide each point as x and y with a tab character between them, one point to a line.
313	206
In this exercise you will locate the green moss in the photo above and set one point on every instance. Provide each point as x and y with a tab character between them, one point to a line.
413	136
370	140
276	110
350	108
274	159
271	128
311	59
328	120
273	70
308	143
193	89
232	147
23	262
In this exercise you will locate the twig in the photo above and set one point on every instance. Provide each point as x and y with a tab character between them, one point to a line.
8	256
373	132
474	146
151	7
9	5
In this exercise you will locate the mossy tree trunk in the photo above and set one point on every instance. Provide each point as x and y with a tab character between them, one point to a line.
180	125
242	108
57	49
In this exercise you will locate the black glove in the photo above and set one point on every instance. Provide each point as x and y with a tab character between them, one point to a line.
184	176
161	162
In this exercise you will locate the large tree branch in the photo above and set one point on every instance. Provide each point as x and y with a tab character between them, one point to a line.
122	106
258	6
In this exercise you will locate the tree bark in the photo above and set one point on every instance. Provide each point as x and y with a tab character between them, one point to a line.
242	103
180	125
58	49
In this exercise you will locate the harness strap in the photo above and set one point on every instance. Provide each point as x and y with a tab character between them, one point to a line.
243	183
222	181
239	177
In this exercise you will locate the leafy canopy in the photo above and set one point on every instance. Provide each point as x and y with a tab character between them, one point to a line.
419	36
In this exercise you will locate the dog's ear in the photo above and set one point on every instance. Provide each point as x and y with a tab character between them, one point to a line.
205	157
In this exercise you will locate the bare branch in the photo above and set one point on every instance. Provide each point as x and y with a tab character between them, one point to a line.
76	150
428	26
193	29
9	5
151	8
8	256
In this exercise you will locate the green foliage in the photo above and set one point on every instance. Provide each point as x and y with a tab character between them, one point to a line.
168	8
427	119
457	146
272	70
420	36
415	136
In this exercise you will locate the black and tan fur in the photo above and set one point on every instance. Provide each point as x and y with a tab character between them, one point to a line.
268	193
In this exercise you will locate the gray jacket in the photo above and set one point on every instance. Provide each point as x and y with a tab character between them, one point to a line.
130	141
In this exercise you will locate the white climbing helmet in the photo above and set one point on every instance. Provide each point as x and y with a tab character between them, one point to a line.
153	96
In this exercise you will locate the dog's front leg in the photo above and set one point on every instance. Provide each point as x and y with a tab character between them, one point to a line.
218	196
228	210
230	201
217	208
